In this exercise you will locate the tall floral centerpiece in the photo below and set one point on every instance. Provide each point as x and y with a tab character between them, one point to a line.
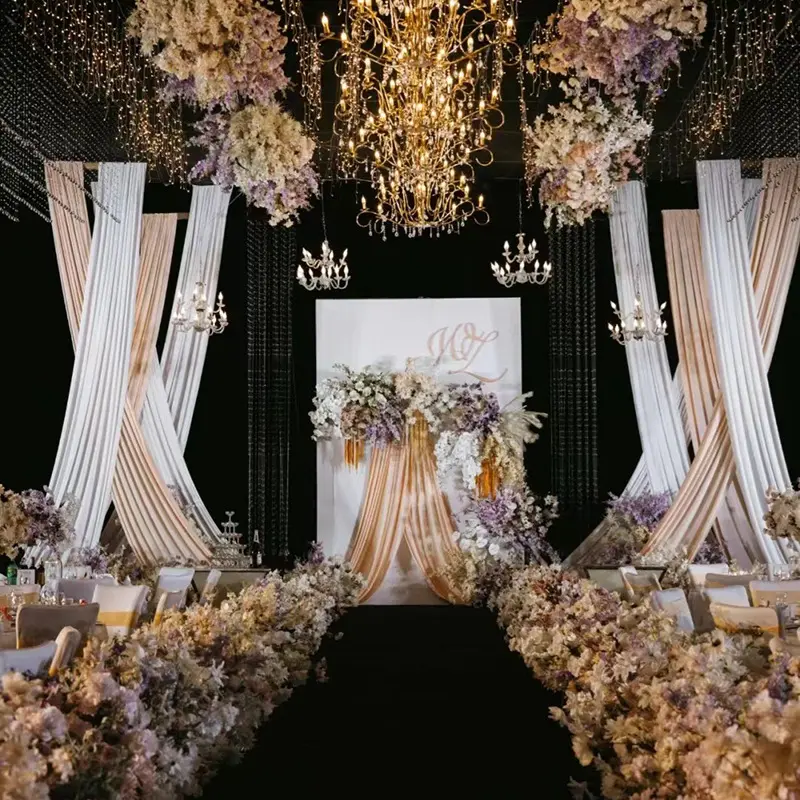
226	58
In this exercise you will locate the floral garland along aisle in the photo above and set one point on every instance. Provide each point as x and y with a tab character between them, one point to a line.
658	712
611	54
226	58
155	714
479	450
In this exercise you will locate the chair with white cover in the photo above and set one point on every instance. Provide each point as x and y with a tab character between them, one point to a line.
174	579
210	587
77	589
30	660
721	580
698	573
673	602
168	601
120	607
67	643
737	619
771	592
39	624
727	595
640	585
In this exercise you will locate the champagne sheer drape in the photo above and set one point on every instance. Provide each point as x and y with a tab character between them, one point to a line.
403	499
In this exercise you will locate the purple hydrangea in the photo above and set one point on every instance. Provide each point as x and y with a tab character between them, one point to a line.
46	523
645	509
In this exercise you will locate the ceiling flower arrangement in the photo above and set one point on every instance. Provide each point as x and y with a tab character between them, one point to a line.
580	151
226	56
586	146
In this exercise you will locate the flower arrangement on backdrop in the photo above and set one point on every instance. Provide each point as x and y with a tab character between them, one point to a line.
479	449
32	517
226	57
581	151
155	714
659	713
589	143
783	516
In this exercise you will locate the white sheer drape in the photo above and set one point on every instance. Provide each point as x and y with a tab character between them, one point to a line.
656	398
742	371
165	425
87	451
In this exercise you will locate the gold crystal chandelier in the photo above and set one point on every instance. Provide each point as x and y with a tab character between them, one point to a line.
419	100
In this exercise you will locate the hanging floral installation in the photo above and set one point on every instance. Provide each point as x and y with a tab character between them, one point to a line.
588	144
581	151
226	57
478	446
156	714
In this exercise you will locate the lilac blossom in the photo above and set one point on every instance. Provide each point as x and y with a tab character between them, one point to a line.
645	509
46	523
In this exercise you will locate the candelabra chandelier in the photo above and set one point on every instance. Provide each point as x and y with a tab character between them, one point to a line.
638	327
325	272
419	100
198	315
515	270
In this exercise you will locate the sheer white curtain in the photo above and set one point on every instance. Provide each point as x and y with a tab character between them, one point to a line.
742	371
87	450
166	418
656	398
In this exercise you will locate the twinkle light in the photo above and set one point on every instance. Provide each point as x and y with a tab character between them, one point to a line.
419	100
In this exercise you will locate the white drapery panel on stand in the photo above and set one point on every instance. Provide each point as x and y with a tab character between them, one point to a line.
184	355
743	375
774	253
87	451
166	427
655	398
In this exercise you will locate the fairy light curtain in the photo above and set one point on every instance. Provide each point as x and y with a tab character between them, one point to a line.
271	262
573	368
87	451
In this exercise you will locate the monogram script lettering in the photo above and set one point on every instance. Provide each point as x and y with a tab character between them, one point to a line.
462	344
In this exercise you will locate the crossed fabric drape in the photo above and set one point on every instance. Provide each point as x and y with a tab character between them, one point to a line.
744	291
166	417
87	450
403	499
656	398
155	525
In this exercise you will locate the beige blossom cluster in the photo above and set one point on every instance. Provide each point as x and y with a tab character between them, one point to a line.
668	17
782	520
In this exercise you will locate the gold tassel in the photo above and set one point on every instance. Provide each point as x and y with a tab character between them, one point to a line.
488	482
353	452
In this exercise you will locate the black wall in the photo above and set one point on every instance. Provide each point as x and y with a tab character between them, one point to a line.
38	353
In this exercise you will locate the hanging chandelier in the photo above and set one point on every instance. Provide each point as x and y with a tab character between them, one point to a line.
419	100
198	315
325	272
515	269
638	326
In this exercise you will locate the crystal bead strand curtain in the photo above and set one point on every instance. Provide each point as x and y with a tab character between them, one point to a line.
271	261
573	370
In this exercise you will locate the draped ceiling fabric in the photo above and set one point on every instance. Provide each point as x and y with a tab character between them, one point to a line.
154	523
745	290
87	451
403	499
656	398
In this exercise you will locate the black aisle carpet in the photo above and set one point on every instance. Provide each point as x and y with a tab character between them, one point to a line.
420	701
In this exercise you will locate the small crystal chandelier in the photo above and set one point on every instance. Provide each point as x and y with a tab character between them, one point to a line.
639	326
507	275
199	315
325	272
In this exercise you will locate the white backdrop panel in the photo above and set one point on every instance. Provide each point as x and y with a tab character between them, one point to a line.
477	339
